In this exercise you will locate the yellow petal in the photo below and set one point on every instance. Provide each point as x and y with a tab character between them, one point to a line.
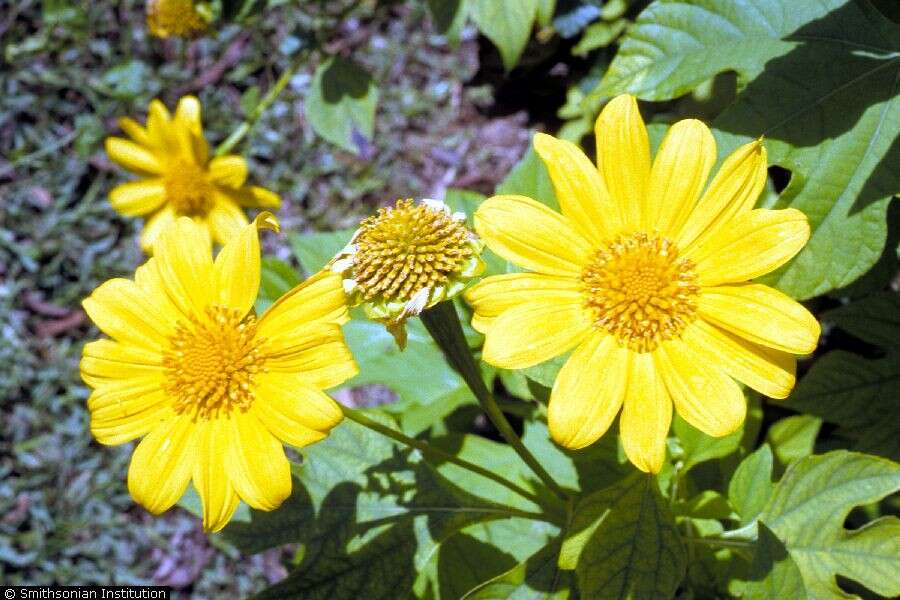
122	311
237	270
318	299
494	295
226	221
159	128
534	332
137	198
753	244
646	415
251	196
579	188
623	156
733	191
316	352
588	392
531	235
125	409
161	464
155	225
703	394
211	480
256	464
133	157
229	171
184	260
680	170
294	412
134	130
114	360
762	315
767	371
147	278
188	112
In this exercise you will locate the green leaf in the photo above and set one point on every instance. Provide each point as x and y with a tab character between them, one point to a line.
448	17
793	438
751	485
819	82
276	279
545	10
507	23
699	447
623	543
545	373
341	104
530	178
875	319
708	504
315	249
807	513
773	573
539	577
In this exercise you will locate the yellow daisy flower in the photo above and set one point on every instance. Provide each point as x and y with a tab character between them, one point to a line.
646	275
212	390
178	18
178	177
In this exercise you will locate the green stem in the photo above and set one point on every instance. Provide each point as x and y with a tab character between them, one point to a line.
443	324
715	541
359	417
259	110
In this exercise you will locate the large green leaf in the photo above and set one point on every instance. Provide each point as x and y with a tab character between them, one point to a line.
623	544
529	177
315	249
507	23
751	485
538	578
819	81
773	573
341	104
807	513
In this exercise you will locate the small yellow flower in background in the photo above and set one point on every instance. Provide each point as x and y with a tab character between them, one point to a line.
407	258
178	177
178	18
646	276
212	390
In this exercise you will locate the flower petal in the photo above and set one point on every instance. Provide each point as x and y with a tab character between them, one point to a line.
237	270
531	235
229	171
753	244
107	359
160	129
494	295
680	170
161	464
534	332
134	130
762	315
211	480
319	299
316	352
226	220
155	225
251	196
184	260
733	191
122	414
188	118
255	462
588	392
122	311
623	157
137	198
703	394
581	192
294	412
646	415
133	157
767	371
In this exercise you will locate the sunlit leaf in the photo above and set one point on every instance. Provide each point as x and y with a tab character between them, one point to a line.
341	104
507	23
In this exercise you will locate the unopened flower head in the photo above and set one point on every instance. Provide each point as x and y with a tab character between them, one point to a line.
177	177
177	18
211	390
646	276
407	258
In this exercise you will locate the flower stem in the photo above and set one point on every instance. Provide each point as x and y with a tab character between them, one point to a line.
443	324
362	419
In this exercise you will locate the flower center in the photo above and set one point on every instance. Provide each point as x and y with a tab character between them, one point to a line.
188	189
640	291
409	247
174	17
212	363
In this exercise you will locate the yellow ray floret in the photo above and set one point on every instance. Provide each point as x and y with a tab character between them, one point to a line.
179	178
211	390
645	276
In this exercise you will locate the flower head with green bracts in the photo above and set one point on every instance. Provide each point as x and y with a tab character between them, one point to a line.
407	258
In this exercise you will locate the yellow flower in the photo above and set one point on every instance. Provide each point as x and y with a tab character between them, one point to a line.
178	177
407	258
212	390
645	274
178	18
